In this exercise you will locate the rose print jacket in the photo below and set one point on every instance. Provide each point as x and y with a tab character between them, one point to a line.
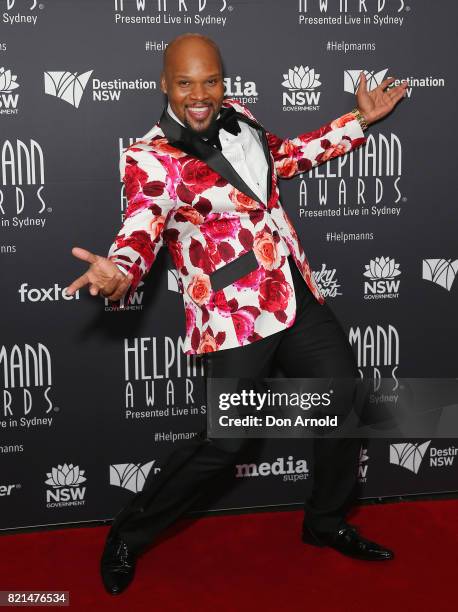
229	248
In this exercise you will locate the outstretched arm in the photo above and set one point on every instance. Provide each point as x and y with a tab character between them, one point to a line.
301	154
137	243
141	236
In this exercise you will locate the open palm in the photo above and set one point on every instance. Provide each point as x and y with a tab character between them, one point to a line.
377	103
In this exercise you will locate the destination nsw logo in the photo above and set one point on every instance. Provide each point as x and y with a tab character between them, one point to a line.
70	86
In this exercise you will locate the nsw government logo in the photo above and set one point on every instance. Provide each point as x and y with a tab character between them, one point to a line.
363	465
382	272
302	95
131	476
8	94
65	486
290	469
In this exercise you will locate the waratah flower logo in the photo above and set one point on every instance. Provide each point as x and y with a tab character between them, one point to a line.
7	81
301	78
382	267
65	476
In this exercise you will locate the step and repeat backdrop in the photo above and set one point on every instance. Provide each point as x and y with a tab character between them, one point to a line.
94	398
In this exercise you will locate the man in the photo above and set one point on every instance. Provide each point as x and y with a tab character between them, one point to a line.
203	180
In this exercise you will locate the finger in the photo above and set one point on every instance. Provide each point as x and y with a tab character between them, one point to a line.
93	289
362	87
398	95
78	283
385	83
84	254
121	289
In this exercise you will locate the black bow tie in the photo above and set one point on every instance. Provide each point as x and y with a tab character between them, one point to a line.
227	120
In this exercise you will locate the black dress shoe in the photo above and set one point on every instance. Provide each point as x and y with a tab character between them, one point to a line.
117	565
348	542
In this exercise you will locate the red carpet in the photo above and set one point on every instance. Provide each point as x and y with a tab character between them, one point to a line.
253	562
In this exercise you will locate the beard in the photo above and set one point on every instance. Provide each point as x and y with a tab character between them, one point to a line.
206	132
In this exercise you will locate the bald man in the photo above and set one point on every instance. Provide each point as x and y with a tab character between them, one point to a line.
203	180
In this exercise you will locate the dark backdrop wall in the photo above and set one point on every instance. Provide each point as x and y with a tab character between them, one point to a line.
82	383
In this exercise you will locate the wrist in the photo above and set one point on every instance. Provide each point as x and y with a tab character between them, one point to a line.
362	119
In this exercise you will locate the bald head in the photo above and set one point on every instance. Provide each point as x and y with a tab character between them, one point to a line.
192	43
192	79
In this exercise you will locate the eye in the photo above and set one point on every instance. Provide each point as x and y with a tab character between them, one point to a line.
183	83
212	81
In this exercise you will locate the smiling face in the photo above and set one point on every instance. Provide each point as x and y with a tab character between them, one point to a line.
192	79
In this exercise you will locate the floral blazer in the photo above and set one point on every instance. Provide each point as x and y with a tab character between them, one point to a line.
229	248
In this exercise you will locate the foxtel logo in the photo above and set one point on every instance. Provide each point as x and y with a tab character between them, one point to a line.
53	294
5	490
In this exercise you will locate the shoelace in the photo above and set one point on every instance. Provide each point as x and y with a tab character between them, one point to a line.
123	553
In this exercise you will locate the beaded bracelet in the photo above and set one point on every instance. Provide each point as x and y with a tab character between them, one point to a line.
362	121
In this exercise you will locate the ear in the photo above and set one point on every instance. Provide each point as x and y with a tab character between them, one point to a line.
163	83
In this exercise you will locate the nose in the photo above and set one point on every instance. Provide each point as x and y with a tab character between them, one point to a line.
198	92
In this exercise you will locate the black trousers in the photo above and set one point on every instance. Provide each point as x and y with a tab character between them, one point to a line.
314	346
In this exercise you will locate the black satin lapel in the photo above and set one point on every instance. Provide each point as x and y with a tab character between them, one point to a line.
205	152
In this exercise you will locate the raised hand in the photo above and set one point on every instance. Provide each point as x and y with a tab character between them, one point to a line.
103	276
375	104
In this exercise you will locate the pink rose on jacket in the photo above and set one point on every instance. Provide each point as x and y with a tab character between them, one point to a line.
163	146
139	241
209	342
242	201
199	288
176	253
134	177
335	150
244	320
218	301
288	149
190	318
341	121
198	177
172	174
265	249
189	214
251	280
287	167
274	292
156	226
220	227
